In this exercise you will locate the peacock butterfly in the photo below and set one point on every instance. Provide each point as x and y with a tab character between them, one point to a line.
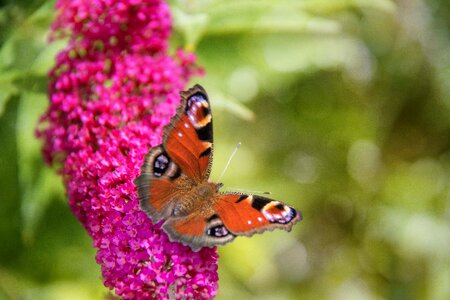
174	185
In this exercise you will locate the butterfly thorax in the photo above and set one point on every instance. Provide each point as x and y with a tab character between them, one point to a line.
198	198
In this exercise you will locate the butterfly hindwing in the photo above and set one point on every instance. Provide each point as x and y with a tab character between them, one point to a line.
157	184
198	231
231	215
249	214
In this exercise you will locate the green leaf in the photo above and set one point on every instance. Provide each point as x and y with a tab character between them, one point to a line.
191	26
7	90
26	42
231	104
266	17
38	183
46	58
326	7
26	53
196	19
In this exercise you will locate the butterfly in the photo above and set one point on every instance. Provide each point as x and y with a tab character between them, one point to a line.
174	185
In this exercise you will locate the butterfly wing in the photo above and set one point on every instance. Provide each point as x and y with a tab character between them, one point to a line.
249	214
158	184
197	231
188	138
181	161
231	215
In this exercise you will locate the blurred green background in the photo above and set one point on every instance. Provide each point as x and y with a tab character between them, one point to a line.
343	109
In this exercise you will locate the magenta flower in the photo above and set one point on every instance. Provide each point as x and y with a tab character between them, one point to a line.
112	90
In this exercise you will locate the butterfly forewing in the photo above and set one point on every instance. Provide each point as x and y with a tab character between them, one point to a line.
189	137
183	159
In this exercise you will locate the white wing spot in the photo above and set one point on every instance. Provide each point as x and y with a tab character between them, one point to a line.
180	134
186	125
249	222
260	219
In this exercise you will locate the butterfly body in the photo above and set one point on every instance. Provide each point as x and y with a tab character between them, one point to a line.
174	185
196	200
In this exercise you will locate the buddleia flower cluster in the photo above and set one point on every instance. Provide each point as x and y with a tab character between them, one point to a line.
112	90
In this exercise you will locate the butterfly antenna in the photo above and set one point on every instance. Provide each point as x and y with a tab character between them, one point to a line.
229	160
250	192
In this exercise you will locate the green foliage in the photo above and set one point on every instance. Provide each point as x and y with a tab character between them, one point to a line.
343	108
45	253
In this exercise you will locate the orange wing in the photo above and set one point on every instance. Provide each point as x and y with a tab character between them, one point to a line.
188	138
249	214
184	158
157	184
234	214
196	231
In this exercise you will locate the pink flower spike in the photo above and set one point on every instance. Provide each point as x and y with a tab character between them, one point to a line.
112	90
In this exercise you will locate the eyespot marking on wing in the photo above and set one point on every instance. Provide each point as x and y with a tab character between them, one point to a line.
160	164
198	110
